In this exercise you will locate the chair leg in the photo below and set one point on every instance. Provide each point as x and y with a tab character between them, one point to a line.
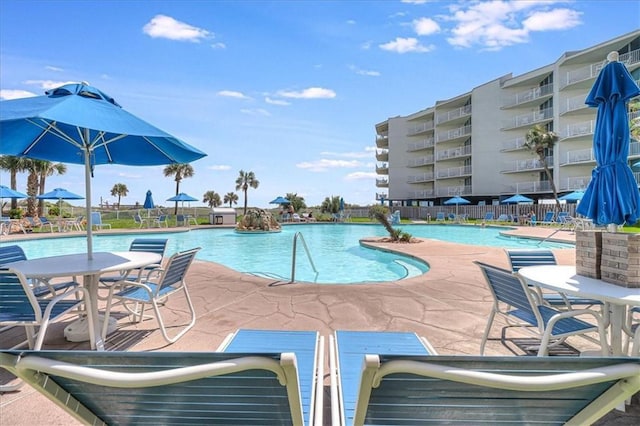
487	329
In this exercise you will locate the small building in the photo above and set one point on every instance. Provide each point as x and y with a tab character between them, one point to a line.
222	216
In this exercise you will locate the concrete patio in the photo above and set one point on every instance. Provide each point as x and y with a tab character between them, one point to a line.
448	305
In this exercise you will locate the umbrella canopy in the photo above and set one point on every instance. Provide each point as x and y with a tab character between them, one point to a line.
80	124
517	199
612	196
280	200
573	197
182	197
60	194
457	200
6	192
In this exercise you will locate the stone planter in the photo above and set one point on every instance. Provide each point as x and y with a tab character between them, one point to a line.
589	253
620	263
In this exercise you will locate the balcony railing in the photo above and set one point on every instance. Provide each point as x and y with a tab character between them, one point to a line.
528	95
453	172
382	169
424	177
579	129
529	119
526	187
573	104
421	161
526	165
447	154
452	191
382	183
587	155
420	128
575	183
453	134
429	193
591	71
382	141
453	114
514	144
382	155
422	144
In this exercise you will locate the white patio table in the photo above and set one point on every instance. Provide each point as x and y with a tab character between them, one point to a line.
79	264
563	279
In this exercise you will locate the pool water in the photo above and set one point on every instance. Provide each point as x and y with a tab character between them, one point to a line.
334	249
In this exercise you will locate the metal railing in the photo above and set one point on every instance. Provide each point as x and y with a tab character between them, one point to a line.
293	257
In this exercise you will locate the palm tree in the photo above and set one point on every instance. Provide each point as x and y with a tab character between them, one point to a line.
13	165
245	181
540	141
212	198
180	171
32	186
296	201
231	198
331	205
46	169
119	190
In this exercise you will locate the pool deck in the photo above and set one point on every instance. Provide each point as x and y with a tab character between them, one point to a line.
448	305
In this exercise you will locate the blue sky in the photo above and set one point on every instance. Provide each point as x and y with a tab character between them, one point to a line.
290	90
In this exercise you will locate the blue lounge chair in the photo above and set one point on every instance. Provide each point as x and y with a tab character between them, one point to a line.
548	219
519	258
347	354
169	388
440	217
308	348
162	220
515	302
96	221
45	222
489	216
409	389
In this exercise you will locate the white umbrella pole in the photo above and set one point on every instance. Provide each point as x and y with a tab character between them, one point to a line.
87	185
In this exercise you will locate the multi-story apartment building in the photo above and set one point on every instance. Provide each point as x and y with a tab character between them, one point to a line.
472	145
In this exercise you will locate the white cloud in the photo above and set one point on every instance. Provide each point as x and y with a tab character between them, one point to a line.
48	84
52	68
162	26
406	45
232	94
415	1
219	167
364	72
218	45
425	26
366	45
558	19
256	111
351	22
496	24
7	94
361	176
324	164
366	154
310	93
276	101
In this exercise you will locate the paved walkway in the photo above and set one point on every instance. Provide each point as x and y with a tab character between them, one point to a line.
448	305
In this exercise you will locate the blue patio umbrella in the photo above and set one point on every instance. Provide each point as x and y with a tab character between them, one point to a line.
79	124
182	197
60	194
148	203
457	200
612	196
573	197
517	199
6	192
280	200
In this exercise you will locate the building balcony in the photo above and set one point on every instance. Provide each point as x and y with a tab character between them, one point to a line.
575	105
381	196
382	141
428	193
590	72
452	191
585	128
421	178
382	169
527	187
452	135
533	96
452	172
528	120
382	155
574	183
420	128
421	161
448	154
582	156
516	144
420	145
526	165
462	112
382	183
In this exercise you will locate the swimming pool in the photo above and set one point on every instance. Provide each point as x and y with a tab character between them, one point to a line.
335	249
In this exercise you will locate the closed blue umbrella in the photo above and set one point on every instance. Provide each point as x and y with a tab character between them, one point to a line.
80	124
341	206
612	196
148	203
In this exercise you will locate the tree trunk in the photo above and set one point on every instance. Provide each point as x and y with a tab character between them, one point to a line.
551	182
175	209
41	185
32	191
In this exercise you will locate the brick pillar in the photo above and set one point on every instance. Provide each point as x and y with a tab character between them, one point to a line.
588	253
621	259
